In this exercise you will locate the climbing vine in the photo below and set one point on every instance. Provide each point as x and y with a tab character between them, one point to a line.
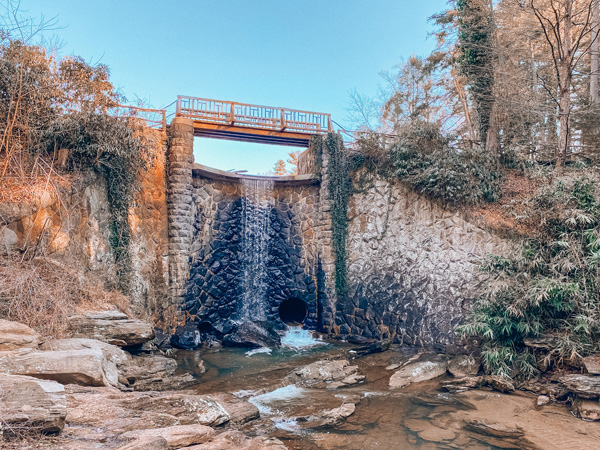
340	189
316	146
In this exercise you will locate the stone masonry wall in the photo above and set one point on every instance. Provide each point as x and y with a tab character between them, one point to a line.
180	158
412	266
213	292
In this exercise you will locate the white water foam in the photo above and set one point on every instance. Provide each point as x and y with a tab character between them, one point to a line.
258	351
297	338
283	394
289	425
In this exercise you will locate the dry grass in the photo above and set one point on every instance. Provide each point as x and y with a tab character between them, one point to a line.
17	186
502	215
43	292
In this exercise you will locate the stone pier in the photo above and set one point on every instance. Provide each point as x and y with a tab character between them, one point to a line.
180	159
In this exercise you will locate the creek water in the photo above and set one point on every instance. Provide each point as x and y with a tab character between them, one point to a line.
417	417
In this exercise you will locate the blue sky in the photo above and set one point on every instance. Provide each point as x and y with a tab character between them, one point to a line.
303	54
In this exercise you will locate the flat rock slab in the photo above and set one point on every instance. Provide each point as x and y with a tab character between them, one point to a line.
87	367
585	386
189	409
426	368
177	436
31	403
15	335
153	373
147	443
113	327
240	411
494	381
329	418
330	374
113	353
230	440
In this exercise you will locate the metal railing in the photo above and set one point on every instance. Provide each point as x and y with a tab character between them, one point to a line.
252	116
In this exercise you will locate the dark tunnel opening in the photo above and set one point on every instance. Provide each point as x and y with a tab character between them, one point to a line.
293	311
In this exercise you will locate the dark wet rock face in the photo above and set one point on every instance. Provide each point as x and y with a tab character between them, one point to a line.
253	334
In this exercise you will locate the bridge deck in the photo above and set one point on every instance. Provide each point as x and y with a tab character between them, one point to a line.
252	123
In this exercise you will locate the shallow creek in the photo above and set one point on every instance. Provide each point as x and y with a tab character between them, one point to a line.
419	416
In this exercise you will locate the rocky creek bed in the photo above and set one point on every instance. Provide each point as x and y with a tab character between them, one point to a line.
89	394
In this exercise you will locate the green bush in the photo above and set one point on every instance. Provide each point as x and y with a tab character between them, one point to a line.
422	157
550	290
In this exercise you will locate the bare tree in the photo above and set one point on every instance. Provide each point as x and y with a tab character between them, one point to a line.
595	53
567	27
363	111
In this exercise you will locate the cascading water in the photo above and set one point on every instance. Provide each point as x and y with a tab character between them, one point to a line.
297	338
256	210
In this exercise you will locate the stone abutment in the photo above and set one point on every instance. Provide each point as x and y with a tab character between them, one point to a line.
412	264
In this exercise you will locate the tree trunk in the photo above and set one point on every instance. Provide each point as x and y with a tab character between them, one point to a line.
462	96
564	88
595	53
491	141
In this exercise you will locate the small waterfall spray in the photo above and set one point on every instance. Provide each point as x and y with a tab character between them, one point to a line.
256	210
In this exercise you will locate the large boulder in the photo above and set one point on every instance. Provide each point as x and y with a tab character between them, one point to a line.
253	334
423	369
112	353
331	374
30	403
177	436
113	327
328	418
154	373
240	411
15	335
87	367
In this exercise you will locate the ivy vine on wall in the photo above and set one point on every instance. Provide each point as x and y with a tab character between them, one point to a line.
340	189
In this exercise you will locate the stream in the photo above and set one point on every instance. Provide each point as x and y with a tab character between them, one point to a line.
419	416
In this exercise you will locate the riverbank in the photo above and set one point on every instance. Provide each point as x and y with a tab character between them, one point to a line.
321	397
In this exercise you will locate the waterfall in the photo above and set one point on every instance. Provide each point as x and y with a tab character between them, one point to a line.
256	209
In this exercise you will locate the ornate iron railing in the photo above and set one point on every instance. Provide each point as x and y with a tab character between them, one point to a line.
252	116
